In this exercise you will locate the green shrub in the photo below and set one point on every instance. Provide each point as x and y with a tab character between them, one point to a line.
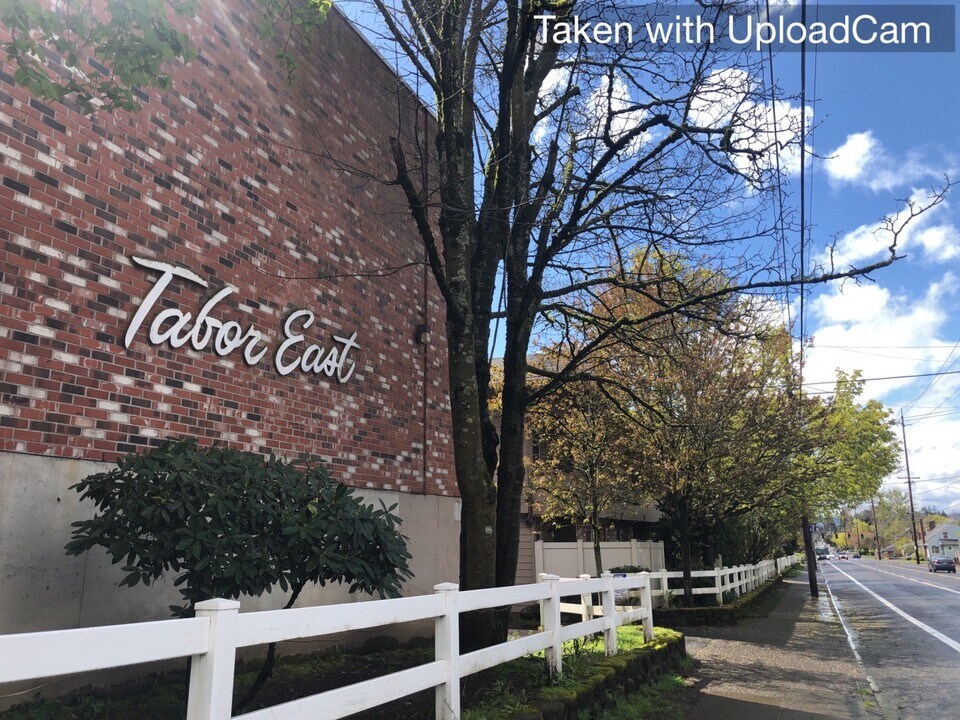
226	523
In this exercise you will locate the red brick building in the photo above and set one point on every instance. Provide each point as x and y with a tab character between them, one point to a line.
258	207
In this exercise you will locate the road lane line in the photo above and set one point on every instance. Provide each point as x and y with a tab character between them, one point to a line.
953	644
918	569
920	582
850	639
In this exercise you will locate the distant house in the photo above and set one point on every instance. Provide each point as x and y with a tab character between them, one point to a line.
943	539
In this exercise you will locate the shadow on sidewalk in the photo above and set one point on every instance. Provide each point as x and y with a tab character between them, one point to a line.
717	707
792	663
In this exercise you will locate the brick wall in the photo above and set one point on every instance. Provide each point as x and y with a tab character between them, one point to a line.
245	180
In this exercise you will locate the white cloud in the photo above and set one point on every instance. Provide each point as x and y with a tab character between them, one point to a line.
863	160
847	162
610	103
721	94
726	98
937	242
941	242
884	333
854	320
853	303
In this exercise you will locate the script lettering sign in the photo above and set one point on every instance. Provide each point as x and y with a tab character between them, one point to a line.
176	328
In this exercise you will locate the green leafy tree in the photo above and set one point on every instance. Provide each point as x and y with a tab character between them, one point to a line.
724	434
893	517
585	466
226	523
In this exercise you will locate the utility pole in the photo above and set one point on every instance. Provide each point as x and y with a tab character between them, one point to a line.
876	528
913	516
856	529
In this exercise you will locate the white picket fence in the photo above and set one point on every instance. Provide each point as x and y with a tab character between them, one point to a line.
219	629
740	579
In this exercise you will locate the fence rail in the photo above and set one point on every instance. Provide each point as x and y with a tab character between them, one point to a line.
739	579
219	629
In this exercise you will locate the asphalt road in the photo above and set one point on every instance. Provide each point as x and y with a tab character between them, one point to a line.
904	624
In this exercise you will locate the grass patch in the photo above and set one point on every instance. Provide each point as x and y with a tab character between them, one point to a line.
584	662
664	699
763	605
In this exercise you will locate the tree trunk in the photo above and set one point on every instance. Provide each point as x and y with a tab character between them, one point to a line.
811	556
511	472
596	552
686	551
266	670
478	526
595	531
510	479
710	548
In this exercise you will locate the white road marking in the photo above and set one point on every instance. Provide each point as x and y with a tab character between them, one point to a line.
921	582
953	644
850	639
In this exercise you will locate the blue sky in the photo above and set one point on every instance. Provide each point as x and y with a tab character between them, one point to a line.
886	126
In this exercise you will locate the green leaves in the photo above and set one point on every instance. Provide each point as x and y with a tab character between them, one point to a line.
96	60
228	523
100	59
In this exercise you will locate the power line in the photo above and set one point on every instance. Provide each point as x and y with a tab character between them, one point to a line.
944	402
884	347
887	377
803	185
778	177
940	373
857	351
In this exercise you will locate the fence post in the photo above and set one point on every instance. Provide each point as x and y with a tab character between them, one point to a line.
634	553
718	583
210	696
538	566
550	619
665	586
609	615
646	599
586	603
446	641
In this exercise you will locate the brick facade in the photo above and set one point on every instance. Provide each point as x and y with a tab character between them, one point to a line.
245	180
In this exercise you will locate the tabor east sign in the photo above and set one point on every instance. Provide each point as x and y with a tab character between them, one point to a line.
176	328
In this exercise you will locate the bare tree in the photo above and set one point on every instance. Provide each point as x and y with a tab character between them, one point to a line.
552	164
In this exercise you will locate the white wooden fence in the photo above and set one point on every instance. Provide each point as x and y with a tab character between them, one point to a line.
219	629
739	579
573	559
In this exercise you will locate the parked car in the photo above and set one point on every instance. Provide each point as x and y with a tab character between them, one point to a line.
856	556
938	562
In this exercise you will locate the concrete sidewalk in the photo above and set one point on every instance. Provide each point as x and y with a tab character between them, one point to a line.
795	663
